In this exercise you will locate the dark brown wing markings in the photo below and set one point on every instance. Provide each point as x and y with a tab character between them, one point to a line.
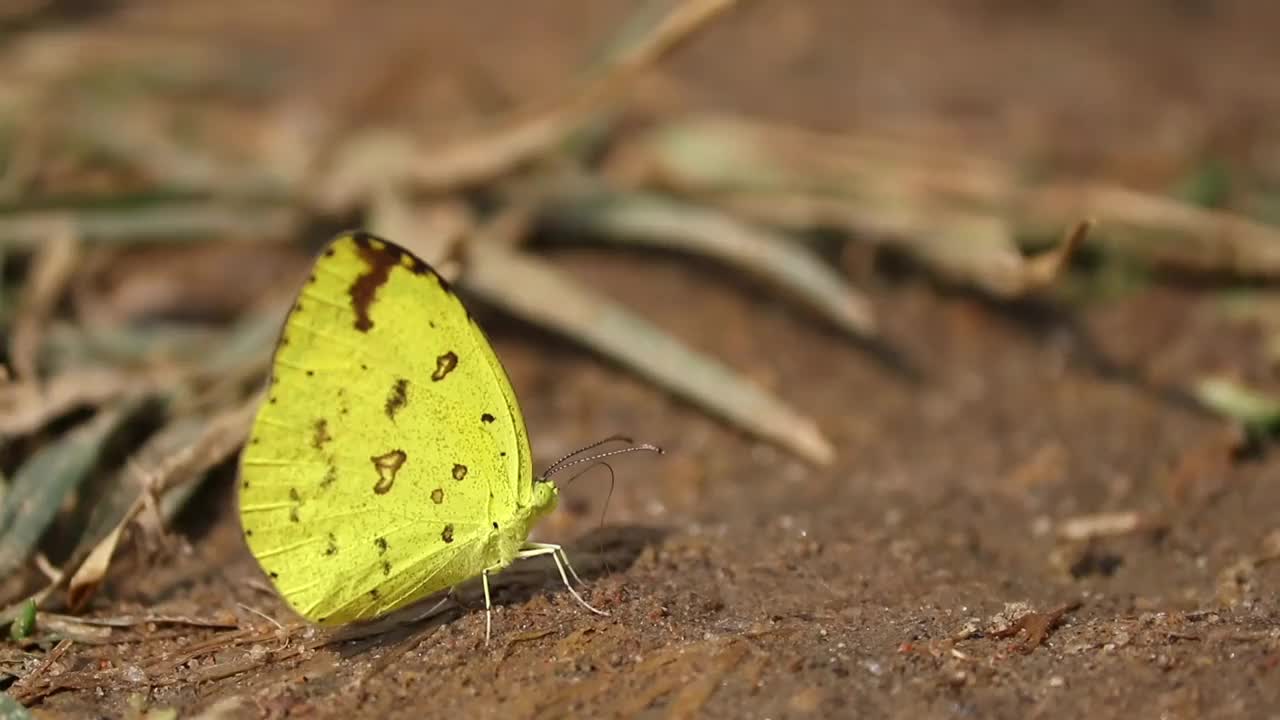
445	364
387	465
380	257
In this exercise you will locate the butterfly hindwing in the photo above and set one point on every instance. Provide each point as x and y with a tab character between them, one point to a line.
388	442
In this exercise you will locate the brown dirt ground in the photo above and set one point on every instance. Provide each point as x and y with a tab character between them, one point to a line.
743	583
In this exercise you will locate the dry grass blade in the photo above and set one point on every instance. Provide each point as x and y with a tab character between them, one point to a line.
532	289
174	222
961	247
864	187
43	482
181	453
902	190
1163	231
27	406
51	269
990	259
671	224
716	154
368	160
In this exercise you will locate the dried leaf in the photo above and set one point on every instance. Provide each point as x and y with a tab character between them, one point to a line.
534	290
652	220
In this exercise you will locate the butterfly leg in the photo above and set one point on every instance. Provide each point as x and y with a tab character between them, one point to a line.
436	607
560	549
488	607
531	550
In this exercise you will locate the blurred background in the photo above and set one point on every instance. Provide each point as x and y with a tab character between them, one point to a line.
958	321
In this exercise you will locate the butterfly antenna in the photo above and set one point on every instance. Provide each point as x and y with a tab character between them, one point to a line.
608	497
555	466
612	438
566	463
612	481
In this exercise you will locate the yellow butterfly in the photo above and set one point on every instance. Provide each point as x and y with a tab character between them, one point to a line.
389	459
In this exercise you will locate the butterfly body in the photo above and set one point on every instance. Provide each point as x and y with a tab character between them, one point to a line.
389	459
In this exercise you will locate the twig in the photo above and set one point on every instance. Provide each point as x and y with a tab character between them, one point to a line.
24	684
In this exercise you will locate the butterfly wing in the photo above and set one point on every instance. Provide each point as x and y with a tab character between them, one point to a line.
389	440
